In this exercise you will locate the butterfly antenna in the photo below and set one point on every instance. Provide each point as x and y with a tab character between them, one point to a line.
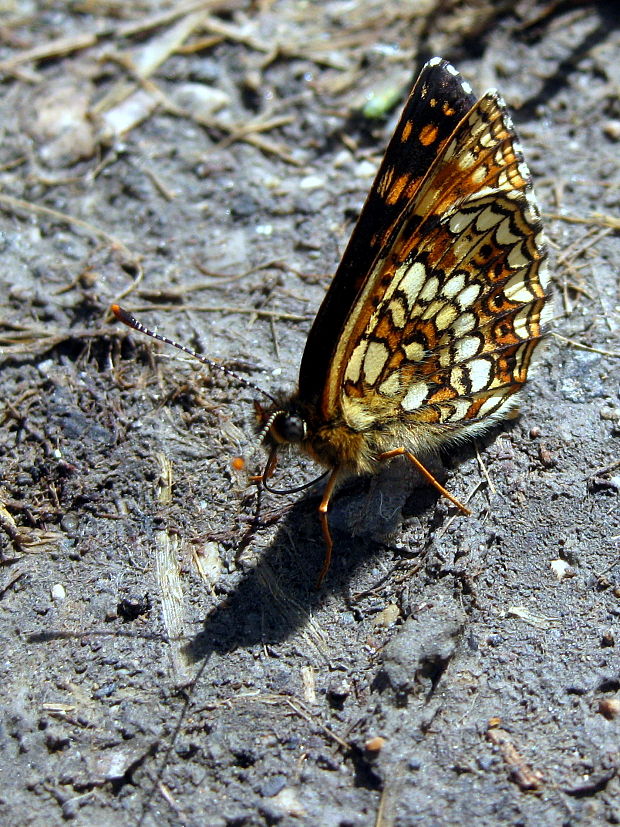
126	318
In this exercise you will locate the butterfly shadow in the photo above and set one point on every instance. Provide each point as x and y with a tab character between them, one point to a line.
277	595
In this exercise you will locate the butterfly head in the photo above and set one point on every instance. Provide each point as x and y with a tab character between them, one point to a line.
282	426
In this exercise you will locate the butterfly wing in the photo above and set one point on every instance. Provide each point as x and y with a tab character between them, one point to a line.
445	316
437	103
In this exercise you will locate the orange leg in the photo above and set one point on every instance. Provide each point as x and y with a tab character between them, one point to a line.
402	452
269	469
329	543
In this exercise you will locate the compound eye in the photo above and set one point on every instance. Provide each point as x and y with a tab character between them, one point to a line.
289	428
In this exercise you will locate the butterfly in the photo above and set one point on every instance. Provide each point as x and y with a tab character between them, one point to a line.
428	329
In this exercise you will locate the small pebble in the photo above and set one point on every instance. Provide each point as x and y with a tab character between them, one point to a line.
388	616
199	97
273	786
611	129
546	457
365	169
610	413
562	569
58	592
312	182
608	639
264	229
609	708
70	522
338	692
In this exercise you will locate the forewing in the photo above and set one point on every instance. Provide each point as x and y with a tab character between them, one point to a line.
438	102
444	327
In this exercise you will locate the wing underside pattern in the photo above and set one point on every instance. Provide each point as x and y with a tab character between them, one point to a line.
444	328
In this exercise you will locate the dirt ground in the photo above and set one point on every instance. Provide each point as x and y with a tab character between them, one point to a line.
162	663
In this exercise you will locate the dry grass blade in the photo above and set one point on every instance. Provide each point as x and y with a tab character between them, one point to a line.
613	353
167	548
596	219
155	21
37	340
17	204
45	51
223	308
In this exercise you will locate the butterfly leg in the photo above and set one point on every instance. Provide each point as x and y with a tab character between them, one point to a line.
270	467
402	452
329	543
259	481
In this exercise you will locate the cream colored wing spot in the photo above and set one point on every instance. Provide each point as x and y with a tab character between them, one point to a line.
517	288
391	385
460	408
504	235
468	295
453	286
415	396
485	192
465	323
432	310
411	282
517	258
505	182
488	218
450	150
398	312
466	160
426	201
446	316
466	348
354	366
501	160
414	352
476	123
460	221
377	355
445	358
479	174
520	359
479	374
521	323
495	402
430	289
488	140
462	247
